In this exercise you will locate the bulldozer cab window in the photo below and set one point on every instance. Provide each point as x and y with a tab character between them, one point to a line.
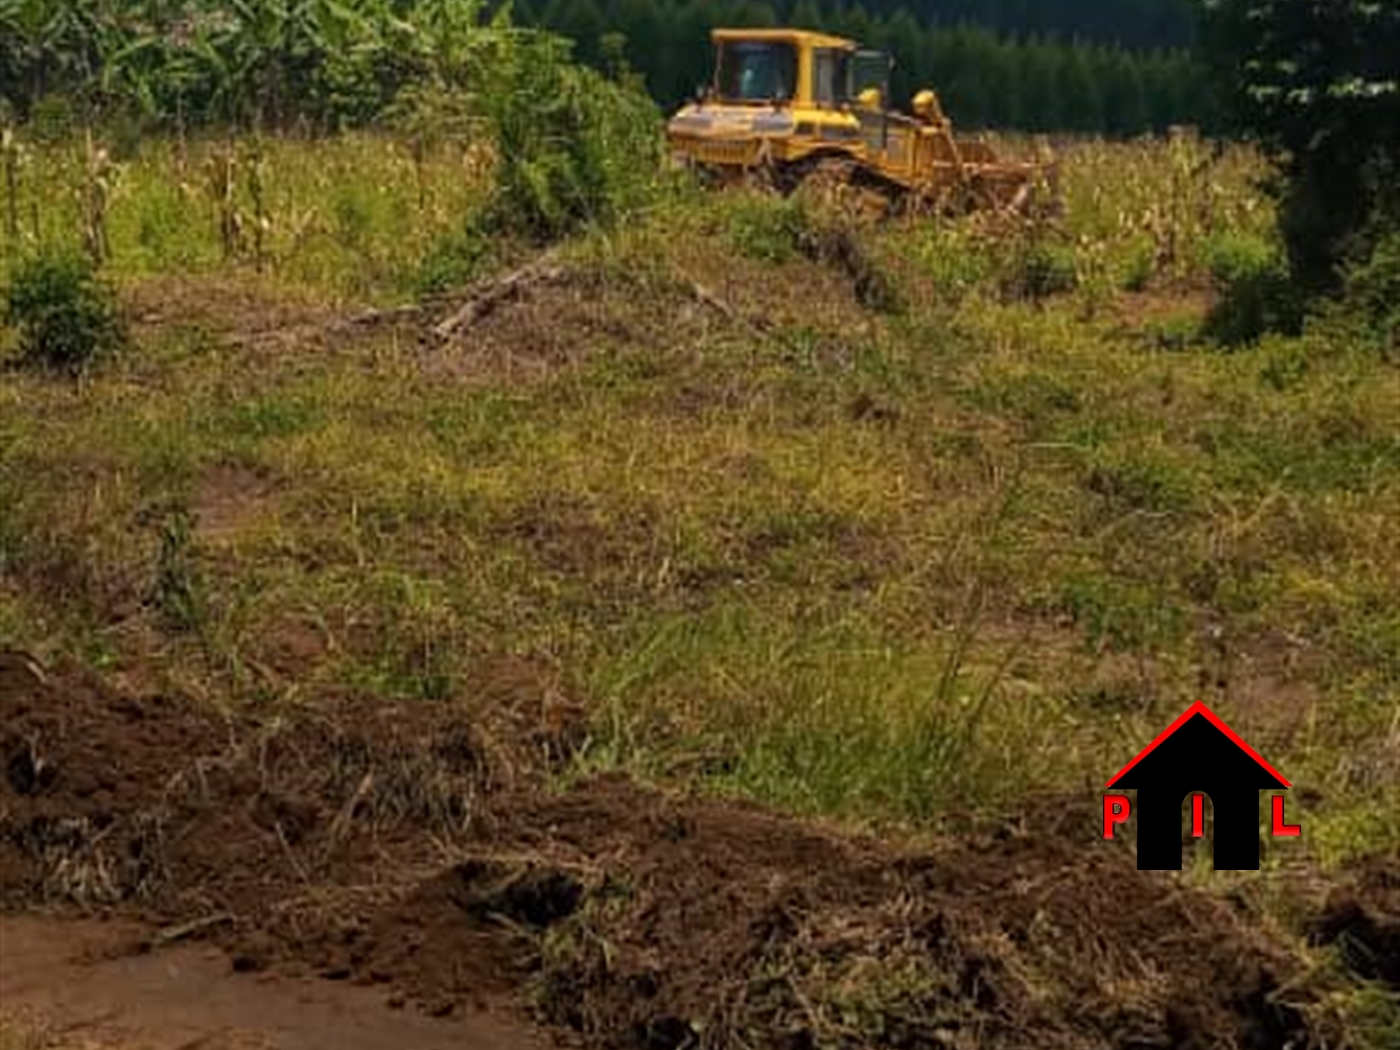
830	76
871	69
757	71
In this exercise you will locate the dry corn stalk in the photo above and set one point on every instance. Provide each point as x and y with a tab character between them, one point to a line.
223	188
97	194
10	157
257	192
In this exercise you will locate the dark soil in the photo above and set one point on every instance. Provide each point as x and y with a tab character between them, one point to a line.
1362	917
412	847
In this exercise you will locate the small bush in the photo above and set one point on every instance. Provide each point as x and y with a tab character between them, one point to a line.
573	147
1141	266
177	593
1042	269
66	316
767	229
1233	257
53	119
451	261
1258	295
1374	287
953	260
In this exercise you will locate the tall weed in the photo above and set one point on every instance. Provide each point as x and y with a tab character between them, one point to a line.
573	148
65	315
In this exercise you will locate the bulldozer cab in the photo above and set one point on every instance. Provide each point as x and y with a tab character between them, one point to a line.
781	67
870	91
870	78
802	72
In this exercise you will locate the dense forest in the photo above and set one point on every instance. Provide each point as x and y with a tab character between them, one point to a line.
1117	68
1140	24
1023	80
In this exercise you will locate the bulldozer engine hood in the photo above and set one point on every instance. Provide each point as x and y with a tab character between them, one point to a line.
730	122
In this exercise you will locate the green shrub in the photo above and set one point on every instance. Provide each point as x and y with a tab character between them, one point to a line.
1141	266
573	148
1232	257
451	261
1042	269
767	229
52	119
1374	287
66	316
177	593
1257	293
953	260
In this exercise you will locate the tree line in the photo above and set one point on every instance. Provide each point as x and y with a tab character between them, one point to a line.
334	63
1140	24
1030	83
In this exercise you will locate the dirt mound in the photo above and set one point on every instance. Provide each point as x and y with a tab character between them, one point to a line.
402	846
1362	917
711	924
83	771
106	799
548	318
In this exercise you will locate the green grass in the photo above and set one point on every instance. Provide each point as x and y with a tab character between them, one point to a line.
359	217
902	568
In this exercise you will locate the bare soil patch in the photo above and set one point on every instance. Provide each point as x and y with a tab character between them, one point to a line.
559	320
68	984
241	308
543	319
414	849
229	500
265	319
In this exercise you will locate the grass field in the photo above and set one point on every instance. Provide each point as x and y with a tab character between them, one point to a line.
918	561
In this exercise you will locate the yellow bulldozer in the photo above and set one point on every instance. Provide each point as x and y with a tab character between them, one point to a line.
791	105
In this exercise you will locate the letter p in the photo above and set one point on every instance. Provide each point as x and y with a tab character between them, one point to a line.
1115	811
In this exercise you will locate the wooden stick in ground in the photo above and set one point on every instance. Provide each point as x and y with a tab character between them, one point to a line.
487	297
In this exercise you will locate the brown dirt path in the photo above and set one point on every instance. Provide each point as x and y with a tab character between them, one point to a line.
73	983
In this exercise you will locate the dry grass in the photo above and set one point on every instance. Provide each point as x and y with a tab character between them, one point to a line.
915	564
908	563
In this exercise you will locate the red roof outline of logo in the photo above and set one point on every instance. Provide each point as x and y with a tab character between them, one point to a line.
1198	708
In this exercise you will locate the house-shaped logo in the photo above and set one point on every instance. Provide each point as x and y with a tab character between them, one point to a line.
1197	755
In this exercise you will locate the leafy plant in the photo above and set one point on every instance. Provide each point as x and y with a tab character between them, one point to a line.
767	229
67	317
1042	269
452	260
1318	83
1374	286
1232	257
1256	292
573	148
178	589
